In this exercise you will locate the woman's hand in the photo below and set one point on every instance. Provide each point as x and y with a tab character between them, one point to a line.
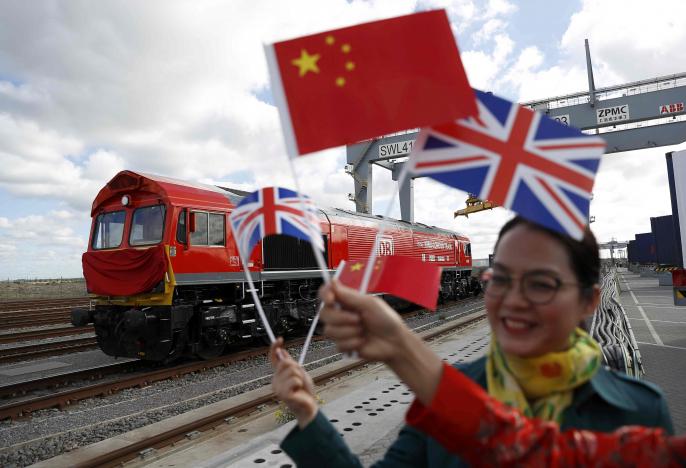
366	324
292	384
362	323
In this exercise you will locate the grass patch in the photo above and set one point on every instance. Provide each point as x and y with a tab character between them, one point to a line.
17	290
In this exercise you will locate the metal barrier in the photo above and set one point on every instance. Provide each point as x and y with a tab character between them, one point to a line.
611	328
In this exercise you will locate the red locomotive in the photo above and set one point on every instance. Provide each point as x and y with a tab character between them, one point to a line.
167	277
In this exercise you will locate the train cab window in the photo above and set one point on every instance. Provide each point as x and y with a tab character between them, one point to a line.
468	250
199	236
147	225
209	229
216	229
109	229
181	228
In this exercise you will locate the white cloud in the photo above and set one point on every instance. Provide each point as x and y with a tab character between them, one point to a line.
47	245
484	69
616	206
172	88
499	8
490	28
629	39
48	229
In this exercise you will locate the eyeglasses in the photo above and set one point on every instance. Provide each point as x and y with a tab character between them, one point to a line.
536	287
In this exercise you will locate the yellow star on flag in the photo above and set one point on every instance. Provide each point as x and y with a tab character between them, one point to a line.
356	266
306	62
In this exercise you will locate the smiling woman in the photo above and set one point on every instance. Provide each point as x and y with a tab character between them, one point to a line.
542	286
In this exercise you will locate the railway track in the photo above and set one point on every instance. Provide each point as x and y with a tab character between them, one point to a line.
165	438
34	351
43	303
25	314
42	334
35	321
64	398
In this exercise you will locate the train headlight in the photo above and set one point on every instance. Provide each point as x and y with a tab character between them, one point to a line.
125	200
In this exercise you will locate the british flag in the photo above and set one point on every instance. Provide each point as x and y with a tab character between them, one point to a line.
516	158
274	210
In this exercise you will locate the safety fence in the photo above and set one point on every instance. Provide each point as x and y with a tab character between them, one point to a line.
611	328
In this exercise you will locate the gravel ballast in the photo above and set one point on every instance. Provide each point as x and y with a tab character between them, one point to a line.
51	432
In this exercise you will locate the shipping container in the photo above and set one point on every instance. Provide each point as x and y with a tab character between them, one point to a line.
645	248
665	240
631	251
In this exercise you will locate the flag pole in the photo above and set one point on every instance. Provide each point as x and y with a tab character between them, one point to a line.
310	332
255	297
321	262
407	168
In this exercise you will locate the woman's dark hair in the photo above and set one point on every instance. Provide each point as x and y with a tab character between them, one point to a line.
584	256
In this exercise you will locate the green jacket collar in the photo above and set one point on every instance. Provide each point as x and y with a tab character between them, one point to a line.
602	384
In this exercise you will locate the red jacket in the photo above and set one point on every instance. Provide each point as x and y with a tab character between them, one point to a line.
468	422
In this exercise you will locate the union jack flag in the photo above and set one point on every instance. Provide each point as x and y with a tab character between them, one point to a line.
274	210
516	158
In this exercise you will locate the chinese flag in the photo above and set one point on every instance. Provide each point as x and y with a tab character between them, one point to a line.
351	84
404	277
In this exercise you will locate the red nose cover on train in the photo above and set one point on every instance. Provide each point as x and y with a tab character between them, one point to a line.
124	272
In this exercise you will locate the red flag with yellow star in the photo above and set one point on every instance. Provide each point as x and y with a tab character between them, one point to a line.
404	277
351	84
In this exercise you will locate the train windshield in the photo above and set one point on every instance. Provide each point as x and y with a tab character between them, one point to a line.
147	225
109	228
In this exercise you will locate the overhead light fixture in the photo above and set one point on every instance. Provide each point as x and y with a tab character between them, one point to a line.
125	200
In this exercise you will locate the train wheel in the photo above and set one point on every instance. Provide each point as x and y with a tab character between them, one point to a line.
211	351
177	350
211	346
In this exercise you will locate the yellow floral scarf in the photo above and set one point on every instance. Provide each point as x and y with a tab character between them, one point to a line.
542	386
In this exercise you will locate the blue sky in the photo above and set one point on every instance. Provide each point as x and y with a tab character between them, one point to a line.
182	91
542	23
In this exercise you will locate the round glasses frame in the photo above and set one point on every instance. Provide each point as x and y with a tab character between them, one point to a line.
538	294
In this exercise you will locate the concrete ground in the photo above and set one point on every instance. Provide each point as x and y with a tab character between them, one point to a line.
660	330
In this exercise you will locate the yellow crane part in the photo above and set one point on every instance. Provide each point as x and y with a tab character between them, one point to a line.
474	205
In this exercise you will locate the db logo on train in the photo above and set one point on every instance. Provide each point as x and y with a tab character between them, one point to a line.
385	246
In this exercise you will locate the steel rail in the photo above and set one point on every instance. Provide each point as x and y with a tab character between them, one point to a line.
42	334
123	454
62	399
27	352
28	323
18	305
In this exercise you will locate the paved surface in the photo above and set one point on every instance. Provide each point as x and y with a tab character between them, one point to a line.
368	410
660	329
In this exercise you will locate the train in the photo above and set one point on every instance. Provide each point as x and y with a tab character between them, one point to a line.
166	279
